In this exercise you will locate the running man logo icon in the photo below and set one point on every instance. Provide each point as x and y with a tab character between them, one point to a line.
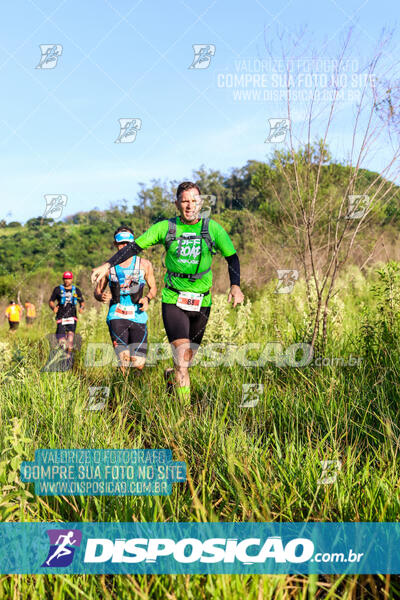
207	202
59	359
330	470
128	130
63	543
50	55
358	206
251	392
278	130
202	55
98	397
287	278
55	204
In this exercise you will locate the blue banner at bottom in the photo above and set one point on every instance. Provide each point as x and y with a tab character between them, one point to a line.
190	548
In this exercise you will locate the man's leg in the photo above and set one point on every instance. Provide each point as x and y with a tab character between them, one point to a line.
186	349
62	336
177	327
183	355
70	342
185	330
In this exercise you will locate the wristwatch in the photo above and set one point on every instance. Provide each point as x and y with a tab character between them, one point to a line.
148	298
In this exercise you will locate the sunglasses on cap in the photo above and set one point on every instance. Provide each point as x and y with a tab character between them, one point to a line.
124	236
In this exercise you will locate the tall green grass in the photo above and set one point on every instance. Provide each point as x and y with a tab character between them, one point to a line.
243	464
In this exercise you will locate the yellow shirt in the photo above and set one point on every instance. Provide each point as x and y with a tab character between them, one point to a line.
13	312
30	310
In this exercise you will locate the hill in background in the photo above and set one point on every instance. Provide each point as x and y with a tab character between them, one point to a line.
33	255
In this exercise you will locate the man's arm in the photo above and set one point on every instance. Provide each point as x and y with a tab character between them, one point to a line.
126	252
224	244
233	269
234	277
52	303
154	235
80	300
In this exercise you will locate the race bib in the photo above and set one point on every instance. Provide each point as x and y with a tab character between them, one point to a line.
68	321
189	301
125	312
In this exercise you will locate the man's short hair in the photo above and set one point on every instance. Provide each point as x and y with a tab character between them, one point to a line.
184	187
123	228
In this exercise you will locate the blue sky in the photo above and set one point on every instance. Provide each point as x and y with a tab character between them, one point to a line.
125	59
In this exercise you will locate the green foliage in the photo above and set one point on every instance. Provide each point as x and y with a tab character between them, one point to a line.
15	496
7	286
381	326
13	224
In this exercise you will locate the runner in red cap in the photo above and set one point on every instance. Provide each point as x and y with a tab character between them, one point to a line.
66	296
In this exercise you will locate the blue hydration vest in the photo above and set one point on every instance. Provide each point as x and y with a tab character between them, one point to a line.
126	285
64	292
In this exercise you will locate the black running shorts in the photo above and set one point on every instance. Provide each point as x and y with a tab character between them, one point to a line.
185	324
126	333
64	329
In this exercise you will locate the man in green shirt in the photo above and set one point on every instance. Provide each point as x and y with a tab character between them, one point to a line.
190	243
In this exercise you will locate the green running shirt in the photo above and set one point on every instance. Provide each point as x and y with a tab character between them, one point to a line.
190	255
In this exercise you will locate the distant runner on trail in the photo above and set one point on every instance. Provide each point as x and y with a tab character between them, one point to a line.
30	313
67	297
13	314
190	244
127	316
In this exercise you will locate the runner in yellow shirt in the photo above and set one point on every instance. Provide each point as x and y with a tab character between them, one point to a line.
30	312
13	314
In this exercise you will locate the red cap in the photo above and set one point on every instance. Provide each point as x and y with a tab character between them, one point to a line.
67	275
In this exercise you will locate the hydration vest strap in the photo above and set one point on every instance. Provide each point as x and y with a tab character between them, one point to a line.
189	276
114	286
171	234
205	234
168	287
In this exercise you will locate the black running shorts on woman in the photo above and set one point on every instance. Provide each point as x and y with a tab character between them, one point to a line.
126	333
184	324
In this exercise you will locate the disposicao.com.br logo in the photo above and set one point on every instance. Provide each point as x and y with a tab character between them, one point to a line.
195	548
191	550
